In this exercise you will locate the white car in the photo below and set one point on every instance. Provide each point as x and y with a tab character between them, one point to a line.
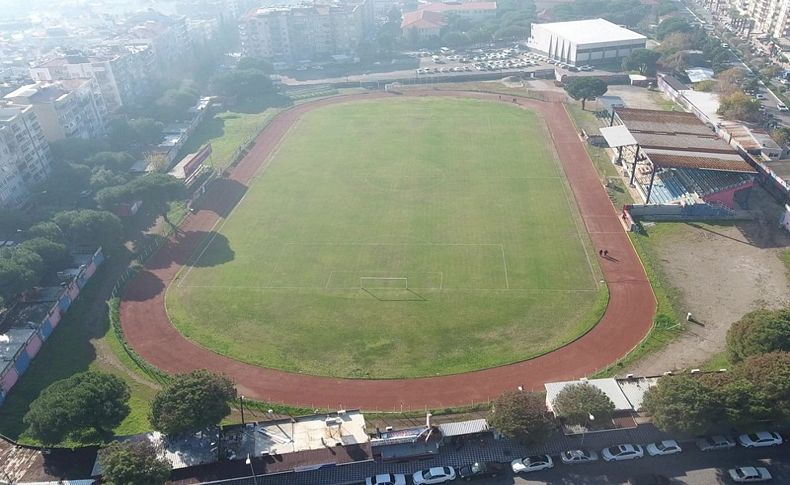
782	107
759	96
386	479
713	443
666	447
760	439
532	464
571	457
749	474
437	474
622	452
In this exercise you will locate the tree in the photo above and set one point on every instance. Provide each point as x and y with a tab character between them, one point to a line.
103	177
156	190
254	63
12	221
739	106
90	227
682	404
20	269
731	80
115	161
52	254
76	149
243	83
147	131
523	416
585	88
577	402
192	401
47	230
73	407
455	39
65	182
133	463
770	375
740	402
671	25
759	332
642	60
174	104
781	135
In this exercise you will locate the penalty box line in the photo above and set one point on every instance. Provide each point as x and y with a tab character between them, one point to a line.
332	273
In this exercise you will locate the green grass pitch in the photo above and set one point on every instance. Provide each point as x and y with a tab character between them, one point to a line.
461	203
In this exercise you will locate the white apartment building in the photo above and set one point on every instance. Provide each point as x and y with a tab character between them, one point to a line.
122	72
72	108
24	154
770	17
302	32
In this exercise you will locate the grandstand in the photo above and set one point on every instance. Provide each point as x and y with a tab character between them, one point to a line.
671	158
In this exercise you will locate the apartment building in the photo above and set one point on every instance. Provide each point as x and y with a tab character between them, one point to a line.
72	108
168	38
304	32
428	20
24	154
123	72
771	17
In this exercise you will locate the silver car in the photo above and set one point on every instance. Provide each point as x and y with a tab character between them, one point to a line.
571	457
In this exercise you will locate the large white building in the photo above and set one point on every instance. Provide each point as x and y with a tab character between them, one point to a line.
770	17
71	108
594	41
303	32
24	154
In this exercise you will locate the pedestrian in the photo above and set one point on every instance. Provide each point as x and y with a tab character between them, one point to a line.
600	252
605	252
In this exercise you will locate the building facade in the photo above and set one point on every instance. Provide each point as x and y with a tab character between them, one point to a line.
428	20
289	34
71	108
595	41
770	17
122	72
24	154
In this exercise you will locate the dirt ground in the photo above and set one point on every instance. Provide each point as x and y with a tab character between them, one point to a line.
721	272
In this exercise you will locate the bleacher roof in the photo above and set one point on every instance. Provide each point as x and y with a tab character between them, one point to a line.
675	139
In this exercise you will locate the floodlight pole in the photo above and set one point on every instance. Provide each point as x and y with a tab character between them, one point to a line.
241	405
650	187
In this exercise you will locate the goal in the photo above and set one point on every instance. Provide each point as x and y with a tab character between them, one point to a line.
383	283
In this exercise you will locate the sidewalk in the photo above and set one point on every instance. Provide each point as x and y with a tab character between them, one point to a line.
488	449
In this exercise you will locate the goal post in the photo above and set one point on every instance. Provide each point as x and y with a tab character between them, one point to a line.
383	283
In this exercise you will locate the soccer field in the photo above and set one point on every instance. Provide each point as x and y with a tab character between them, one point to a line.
397	238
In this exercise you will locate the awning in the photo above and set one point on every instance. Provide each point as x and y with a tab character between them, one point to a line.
618	136
464	427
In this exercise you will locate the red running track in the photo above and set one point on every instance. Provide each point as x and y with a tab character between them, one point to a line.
626	321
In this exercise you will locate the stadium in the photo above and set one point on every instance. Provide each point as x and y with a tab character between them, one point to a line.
384	250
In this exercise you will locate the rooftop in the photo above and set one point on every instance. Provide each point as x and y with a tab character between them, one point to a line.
608	386
592	31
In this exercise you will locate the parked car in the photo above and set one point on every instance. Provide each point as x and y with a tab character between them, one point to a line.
438	474
714	443
749	474
666	447
760	439
578	456
622	452
782	107
532	464
386	479
489	469
759	96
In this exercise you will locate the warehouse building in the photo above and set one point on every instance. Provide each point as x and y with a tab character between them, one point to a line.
581	42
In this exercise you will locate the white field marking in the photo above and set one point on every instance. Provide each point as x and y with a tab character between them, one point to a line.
327	243
577	212
221	222
448	289
332	273
504	262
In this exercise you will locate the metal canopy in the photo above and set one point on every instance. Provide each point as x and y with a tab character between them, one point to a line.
618	136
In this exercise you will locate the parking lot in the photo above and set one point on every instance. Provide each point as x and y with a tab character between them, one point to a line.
446	61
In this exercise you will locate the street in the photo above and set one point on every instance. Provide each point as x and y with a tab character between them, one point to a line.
690	467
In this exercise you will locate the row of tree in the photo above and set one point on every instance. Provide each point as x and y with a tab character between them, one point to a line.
755	390
88	406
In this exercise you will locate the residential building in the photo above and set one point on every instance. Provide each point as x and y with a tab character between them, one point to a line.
303	32
594	41
24	154
167	36
770	17
72	108
428	19
122	71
